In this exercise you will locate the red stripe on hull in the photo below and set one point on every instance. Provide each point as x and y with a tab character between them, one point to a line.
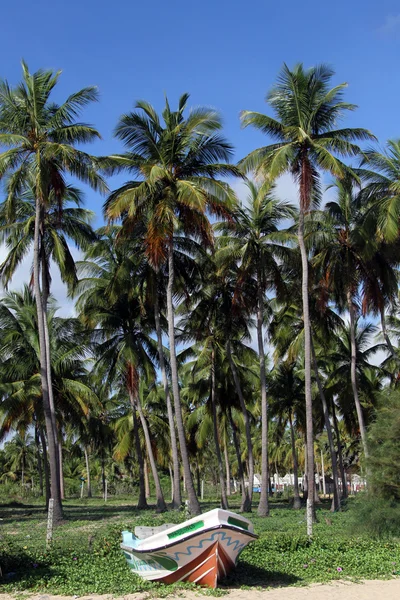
203	570
227	563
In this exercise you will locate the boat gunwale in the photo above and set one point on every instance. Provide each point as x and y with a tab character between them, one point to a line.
189	537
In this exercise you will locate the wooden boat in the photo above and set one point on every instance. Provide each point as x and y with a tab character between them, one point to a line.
201	550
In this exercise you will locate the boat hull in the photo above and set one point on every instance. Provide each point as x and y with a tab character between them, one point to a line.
203	558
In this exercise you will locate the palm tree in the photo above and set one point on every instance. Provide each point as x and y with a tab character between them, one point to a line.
177	163
254	240
287	391
355	266
20	388
40	137
124	348
307	142
20	454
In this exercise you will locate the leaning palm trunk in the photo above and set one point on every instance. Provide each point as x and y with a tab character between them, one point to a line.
296	499
224	500
307	366
357	403
45	376
142	502
246	502
246	423
161	506
194	506
263	508
176	495
336	501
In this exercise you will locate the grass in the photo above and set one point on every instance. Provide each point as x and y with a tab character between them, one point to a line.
85	557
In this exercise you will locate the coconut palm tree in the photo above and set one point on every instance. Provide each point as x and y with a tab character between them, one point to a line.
123	347
357	269
177	162
254	240
307	142
287	406
40	137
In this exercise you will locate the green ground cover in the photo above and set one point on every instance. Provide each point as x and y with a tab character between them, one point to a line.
85	556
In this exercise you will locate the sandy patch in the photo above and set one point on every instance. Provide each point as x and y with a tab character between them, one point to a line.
366	590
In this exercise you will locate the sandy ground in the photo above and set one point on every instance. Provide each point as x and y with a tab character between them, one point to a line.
367	590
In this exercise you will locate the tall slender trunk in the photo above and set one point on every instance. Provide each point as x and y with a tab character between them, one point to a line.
263	508
246	501
61	470
227	470
103	474
45	377
340	454
307	370
198	480
177	495
296	499
171	476
161	506
45	299
39	459
323	475
89	486
146	478
194	506
142	502
224	500
336	500
45	465
246	422
360	415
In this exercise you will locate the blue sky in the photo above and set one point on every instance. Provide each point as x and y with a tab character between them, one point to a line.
226	54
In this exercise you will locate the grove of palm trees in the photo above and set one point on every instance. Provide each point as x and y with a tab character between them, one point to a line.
229	345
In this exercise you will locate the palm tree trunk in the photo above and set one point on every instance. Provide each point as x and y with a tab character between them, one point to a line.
307	370
103	474
45	465
177	494
296	499
146	478
227	470
45	298
60	466
171	476
194	506
357	403
246	422
246	502
224	500
45	377
336	501
263	508
89	486
39	459
161	506
340	454
142	502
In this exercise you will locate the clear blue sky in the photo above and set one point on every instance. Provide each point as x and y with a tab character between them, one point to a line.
224	53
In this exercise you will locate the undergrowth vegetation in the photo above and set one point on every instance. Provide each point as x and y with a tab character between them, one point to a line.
85	556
